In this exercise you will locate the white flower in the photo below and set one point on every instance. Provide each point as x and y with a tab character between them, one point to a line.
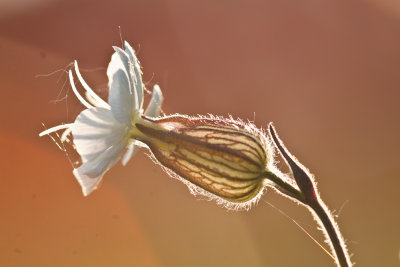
101	132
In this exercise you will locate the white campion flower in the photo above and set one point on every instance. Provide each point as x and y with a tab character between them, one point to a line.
101	132
224	159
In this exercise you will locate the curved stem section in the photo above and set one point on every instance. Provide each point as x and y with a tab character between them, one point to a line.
332	233
284	187
308	189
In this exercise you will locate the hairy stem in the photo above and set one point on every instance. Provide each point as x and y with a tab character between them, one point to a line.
309	192
284	187
322	215
332	233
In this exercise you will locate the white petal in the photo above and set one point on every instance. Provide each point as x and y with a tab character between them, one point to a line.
95	130
93	96
87	184
154	107
90	173
138	72
120	98
95	102
81	99
132	148
131	77
55	129
64	136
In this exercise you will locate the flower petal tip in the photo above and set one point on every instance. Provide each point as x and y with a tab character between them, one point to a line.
126	44
132	148
87	183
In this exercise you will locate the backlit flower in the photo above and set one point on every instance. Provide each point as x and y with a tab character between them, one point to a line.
223	159
101	132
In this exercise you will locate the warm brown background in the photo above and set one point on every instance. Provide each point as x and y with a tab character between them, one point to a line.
326	72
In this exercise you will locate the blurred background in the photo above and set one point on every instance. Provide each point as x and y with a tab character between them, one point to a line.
325	72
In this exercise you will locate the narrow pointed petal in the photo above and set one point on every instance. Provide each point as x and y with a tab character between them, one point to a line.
94	131
81	99
95	102
94	97
154	107
64	136
55	129
132	148
138	72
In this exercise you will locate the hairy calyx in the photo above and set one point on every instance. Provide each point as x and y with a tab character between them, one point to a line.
220	156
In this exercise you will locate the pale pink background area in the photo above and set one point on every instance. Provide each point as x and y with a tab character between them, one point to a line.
325	72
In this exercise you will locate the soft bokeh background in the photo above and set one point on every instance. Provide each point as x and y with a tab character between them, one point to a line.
326	72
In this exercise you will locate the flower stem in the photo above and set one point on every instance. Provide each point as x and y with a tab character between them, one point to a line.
322	215
311	199
332	232
284	187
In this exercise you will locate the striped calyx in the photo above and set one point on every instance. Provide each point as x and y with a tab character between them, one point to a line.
222	157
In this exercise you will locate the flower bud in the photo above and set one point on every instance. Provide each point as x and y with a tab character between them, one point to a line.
223	157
